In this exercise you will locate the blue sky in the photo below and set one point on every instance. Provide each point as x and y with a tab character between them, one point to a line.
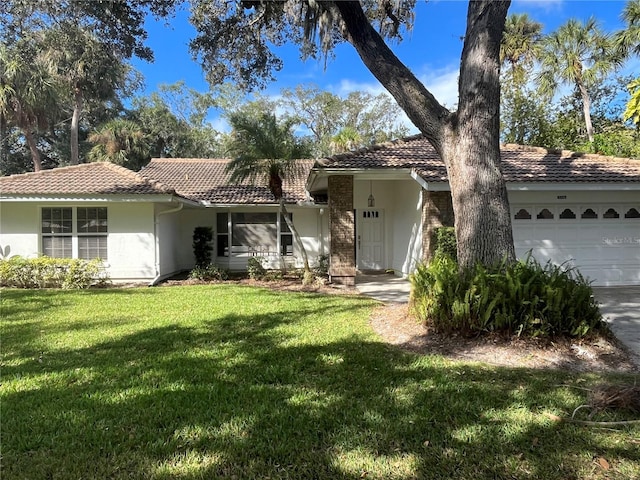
431	50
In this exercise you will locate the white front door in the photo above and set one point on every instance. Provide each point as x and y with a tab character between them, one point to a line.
370	241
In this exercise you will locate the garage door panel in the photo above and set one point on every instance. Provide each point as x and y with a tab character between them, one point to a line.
606	250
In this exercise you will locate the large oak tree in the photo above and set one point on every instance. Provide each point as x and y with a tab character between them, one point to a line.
235	40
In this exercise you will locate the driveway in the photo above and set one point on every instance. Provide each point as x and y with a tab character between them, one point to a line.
620	307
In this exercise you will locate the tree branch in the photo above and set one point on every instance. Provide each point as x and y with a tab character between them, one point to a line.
422	108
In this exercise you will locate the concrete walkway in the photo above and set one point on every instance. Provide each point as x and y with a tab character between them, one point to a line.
620	306
385	287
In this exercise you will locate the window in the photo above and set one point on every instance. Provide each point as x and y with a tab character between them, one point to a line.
57	232
74	232
252	234
632	213
567	214
611	213
522	215
222	235
545	214
92	233
286	237
589	213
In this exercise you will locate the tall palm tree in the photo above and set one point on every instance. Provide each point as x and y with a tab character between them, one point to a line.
86	66
580	55
520	44
265	150
28	93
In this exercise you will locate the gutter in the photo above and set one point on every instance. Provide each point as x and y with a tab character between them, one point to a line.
156	225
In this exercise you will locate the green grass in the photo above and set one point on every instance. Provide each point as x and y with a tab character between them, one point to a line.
237	382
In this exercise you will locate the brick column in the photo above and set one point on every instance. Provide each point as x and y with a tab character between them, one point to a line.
437	211
342	259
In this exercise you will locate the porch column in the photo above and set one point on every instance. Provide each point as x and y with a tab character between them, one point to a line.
342	257
437	211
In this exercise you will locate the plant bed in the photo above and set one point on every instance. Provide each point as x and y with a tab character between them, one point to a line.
595	353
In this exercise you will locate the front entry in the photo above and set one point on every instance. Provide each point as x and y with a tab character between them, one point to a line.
370	239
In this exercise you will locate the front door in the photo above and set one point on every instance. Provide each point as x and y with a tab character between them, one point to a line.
370	241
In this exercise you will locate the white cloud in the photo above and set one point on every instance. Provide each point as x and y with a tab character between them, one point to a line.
546	5
442	83
346	86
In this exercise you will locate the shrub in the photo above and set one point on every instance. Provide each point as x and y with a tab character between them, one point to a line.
321	268
445	242
255	268
523	298
46	272
202	245
208	273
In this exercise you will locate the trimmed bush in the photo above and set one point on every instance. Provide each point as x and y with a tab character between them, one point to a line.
46	272
202	246
524	298
445	242
255	268
208	273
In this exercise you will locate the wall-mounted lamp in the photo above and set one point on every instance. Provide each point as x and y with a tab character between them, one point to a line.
371	201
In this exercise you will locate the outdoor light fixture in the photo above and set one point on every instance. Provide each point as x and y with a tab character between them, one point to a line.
371	202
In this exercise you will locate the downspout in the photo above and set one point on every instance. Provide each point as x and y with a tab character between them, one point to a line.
156	227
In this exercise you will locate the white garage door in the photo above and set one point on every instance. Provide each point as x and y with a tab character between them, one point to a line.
602	241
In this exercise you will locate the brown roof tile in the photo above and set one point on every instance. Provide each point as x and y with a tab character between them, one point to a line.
520	164
87	178
206	180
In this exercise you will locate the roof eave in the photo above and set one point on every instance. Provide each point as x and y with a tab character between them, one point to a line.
107	197
573	186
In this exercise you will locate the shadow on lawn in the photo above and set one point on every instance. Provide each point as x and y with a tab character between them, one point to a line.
242	398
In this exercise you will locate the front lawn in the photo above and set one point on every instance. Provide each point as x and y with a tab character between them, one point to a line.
230	381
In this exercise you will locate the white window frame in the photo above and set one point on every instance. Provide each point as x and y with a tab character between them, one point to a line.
236	251
75	234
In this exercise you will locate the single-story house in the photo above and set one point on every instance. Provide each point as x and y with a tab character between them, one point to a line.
371	209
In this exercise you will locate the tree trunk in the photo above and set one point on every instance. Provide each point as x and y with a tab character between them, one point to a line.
466	140
33	148
75	125
586	108
296	236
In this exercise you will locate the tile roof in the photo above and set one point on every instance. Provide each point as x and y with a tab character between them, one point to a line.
519	163
87	178
206	180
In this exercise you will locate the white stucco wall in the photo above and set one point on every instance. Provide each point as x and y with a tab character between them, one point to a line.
130	246
407	226
19	226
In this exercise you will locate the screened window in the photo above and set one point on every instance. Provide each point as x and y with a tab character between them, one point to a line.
252	234
74	232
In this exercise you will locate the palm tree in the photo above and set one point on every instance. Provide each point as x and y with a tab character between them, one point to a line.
629	38
577	54
520	44
28	93
345	140
265	150
87	67
118	141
